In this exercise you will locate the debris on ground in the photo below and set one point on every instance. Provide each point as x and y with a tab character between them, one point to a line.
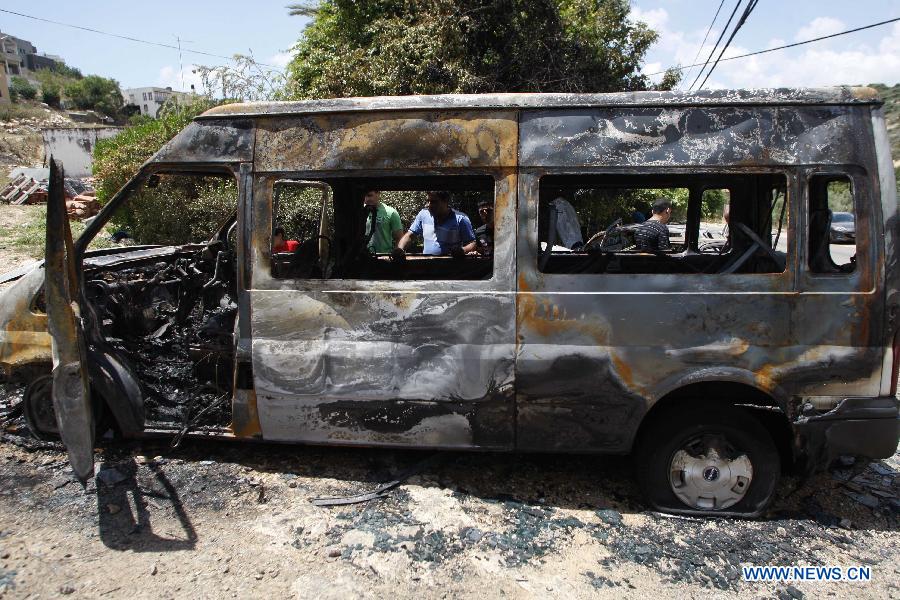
212	515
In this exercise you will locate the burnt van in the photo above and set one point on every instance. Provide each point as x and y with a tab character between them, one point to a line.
718	363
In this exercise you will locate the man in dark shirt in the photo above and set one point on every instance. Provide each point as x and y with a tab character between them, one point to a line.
653	234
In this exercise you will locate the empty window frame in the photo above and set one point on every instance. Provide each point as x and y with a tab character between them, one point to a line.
174	209
832	224
705	223
351	228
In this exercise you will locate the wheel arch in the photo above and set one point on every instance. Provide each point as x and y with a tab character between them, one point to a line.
772	410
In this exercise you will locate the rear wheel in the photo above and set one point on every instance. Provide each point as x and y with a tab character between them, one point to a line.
709	460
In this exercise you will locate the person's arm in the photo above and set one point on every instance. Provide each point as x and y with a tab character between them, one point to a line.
414	229
396	228
405	239
467	235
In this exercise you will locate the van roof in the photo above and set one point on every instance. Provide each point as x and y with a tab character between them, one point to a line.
767	96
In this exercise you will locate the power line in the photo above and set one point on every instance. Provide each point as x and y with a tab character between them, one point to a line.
713	51
750	6
705	37
126	37
795	44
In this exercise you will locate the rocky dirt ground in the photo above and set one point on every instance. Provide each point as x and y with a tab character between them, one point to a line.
227	519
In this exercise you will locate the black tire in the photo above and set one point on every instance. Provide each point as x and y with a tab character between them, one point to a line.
40	416
689	427
37	408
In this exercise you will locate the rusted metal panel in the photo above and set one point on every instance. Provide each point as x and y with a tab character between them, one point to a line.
71	394
210	142
385	368
462	139
24	341
680	136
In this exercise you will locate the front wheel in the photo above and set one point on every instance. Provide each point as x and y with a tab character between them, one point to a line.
708	460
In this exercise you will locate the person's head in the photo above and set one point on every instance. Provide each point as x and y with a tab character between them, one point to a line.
278	236
486	212
372	197
662	210
439	203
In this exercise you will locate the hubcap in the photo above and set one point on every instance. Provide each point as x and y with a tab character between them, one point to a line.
708	474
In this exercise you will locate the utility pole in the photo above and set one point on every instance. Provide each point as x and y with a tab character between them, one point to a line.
180	63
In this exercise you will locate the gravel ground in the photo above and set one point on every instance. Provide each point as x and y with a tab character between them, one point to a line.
233	519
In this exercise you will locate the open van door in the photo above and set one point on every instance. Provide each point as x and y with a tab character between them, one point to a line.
70	389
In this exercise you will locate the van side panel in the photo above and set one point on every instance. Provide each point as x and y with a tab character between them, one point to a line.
887	191
596	351
419	363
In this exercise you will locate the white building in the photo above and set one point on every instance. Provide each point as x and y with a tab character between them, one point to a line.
151	99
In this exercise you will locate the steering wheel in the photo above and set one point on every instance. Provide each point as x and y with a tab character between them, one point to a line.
226	240
601	235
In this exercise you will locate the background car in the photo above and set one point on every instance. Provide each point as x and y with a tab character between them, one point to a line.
843	228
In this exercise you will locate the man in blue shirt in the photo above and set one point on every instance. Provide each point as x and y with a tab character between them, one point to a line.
445	230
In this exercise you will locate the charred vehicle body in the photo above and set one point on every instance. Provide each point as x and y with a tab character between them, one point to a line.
717	369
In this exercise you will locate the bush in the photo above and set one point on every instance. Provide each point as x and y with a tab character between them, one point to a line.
51	95
152	216
180	210
52	84
22	88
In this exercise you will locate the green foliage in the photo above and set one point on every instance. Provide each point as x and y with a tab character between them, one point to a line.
67	71
52	85
840	198
245	80
298	210
96	93
174	212
22	88
117	159
180	210
394	47
138	119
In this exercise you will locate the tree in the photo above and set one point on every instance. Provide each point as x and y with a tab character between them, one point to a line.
96	93
245	80
395	47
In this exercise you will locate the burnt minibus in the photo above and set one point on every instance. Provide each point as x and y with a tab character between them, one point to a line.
748	345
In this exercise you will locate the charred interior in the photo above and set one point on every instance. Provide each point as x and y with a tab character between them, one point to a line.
172	322
588	223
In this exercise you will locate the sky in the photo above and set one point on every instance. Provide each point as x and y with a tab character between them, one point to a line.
226	27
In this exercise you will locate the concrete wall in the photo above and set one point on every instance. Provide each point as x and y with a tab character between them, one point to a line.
74	147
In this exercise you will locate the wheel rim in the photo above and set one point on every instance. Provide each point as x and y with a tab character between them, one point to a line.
708	473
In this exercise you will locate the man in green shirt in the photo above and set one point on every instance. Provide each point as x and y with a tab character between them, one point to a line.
388	228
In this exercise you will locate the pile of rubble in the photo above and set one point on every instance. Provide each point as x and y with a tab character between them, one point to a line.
29	186
29	125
